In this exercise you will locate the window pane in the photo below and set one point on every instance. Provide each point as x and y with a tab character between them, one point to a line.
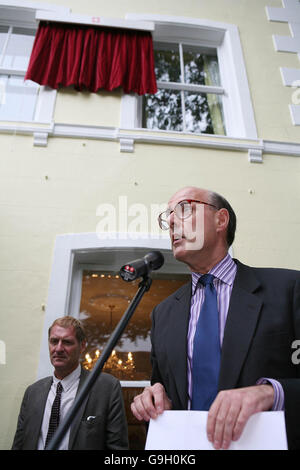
201	66
105	298
3	36
19	48
163	111
167	62
203	113
17	99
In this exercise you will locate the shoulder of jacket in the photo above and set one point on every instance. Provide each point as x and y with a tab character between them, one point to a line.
277	272
105	379
41	383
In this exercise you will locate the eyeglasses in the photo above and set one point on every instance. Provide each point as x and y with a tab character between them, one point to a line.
182	210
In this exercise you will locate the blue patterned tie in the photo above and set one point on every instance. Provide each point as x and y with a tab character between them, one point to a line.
207	350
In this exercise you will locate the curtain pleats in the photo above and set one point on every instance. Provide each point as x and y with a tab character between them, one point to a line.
92	58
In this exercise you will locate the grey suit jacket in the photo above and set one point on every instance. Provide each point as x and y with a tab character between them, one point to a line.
262	323
108	430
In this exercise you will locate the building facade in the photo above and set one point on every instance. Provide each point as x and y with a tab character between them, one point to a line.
84	174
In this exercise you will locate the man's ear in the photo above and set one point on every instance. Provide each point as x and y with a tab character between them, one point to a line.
222	220
82	346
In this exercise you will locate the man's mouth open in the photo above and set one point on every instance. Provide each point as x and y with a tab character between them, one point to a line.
176	239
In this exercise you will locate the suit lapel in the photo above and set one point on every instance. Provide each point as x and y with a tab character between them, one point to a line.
76	422
243	313
177	341
38	410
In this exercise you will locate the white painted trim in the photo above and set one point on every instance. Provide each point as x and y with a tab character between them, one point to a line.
192	140
290	77
126	145
40	139
255	156
86	132
217	90
6	71
134	383
44	101
129	116
295	114
24	4
286	43
23	128
23	14
241	122
209	25
128	139
95	21
281	148
289	14
45	105
286	14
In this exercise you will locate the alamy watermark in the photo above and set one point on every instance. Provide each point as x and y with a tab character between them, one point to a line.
296	354
2	352
139	221
133	220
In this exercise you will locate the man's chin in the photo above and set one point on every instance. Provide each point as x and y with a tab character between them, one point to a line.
186	253
59	363
179	252
186	248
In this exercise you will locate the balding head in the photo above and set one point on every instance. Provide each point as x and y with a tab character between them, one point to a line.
213	220
206	195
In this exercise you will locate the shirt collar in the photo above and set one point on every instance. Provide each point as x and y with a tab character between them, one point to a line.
225	271
69	380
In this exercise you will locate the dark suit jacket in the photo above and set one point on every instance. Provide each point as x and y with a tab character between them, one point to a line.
107	431
263	320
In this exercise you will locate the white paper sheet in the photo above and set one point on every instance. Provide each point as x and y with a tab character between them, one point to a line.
186	430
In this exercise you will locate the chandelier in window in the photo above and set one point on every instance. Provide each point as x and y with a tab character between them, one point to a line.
122	369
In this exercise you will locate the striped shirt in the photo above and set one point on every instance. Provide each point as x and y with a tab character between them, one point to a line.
224	272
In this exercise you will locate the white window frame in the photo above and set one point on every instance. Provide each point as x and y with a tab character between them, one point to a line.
182	86
23	14
236	99
74	253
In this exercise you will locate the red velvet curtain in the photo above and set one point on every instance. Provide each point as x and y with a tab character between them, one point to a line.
92	58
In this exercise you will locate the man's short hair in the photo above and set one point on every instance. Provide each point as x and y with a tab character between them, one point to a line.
221	203
68	321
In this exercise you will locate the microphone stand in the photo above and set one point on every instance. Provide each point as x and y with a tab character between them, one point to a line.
144	286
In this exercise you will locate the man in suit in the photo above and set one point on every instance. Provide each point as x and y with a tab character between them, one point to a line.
100	422
259	320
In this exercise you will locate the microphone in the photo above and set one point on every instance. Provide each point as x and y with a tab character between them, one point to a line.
141	267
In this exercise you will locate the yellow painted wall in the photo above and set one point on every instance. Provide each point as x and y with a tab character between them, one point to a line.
54	190
270	98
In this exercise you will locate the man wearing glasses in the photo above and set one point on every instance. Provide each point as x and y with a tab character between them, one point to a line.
222	342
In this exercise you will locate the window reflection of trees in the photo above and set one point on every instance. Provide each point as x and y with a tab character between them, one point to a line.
175	110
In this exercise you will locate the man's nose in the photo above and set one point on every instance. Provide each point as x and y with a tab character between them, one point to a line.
170	220
59	345
175	222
